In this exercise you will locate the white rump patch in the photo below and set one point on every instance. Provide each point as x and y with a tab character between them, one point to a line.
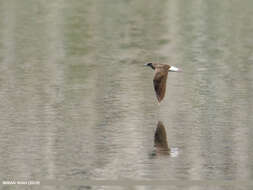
172	68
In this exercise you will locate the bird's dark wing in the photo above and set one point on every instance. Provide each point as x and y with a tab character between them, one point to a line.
159	82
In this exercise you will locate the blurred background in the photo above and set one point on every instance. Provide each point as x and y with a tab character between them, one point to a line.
76	101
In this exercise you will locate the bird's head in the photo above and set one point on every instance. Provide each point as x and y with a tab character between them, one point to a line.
150	65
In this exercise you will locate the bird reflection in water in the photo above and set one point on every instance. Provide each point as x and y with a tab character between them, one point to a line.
160	141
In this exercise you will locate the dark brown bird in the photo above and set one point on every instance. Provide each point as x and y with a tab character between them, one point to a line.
160	78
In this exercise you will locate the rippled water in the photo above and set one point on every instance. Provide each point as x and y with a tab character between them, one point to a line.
76	101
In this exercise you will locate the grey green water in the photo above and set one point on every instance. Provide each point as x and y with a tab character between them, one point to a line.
76	101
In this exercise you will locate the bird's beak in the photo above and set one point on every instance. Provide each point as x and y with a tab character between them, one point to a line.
174	69
145	64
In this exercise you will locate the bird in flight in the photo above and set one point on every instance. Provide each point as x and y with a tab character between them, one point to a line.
160	78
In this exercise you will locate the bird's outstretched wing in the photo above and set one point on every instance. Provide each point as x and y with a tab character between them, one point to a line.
159	82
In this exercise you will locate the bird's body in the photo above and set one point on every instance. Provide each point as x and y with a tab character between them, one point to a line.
160	78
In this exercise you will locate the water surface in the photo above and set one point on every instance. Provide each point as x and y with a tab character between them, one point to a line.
76	101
